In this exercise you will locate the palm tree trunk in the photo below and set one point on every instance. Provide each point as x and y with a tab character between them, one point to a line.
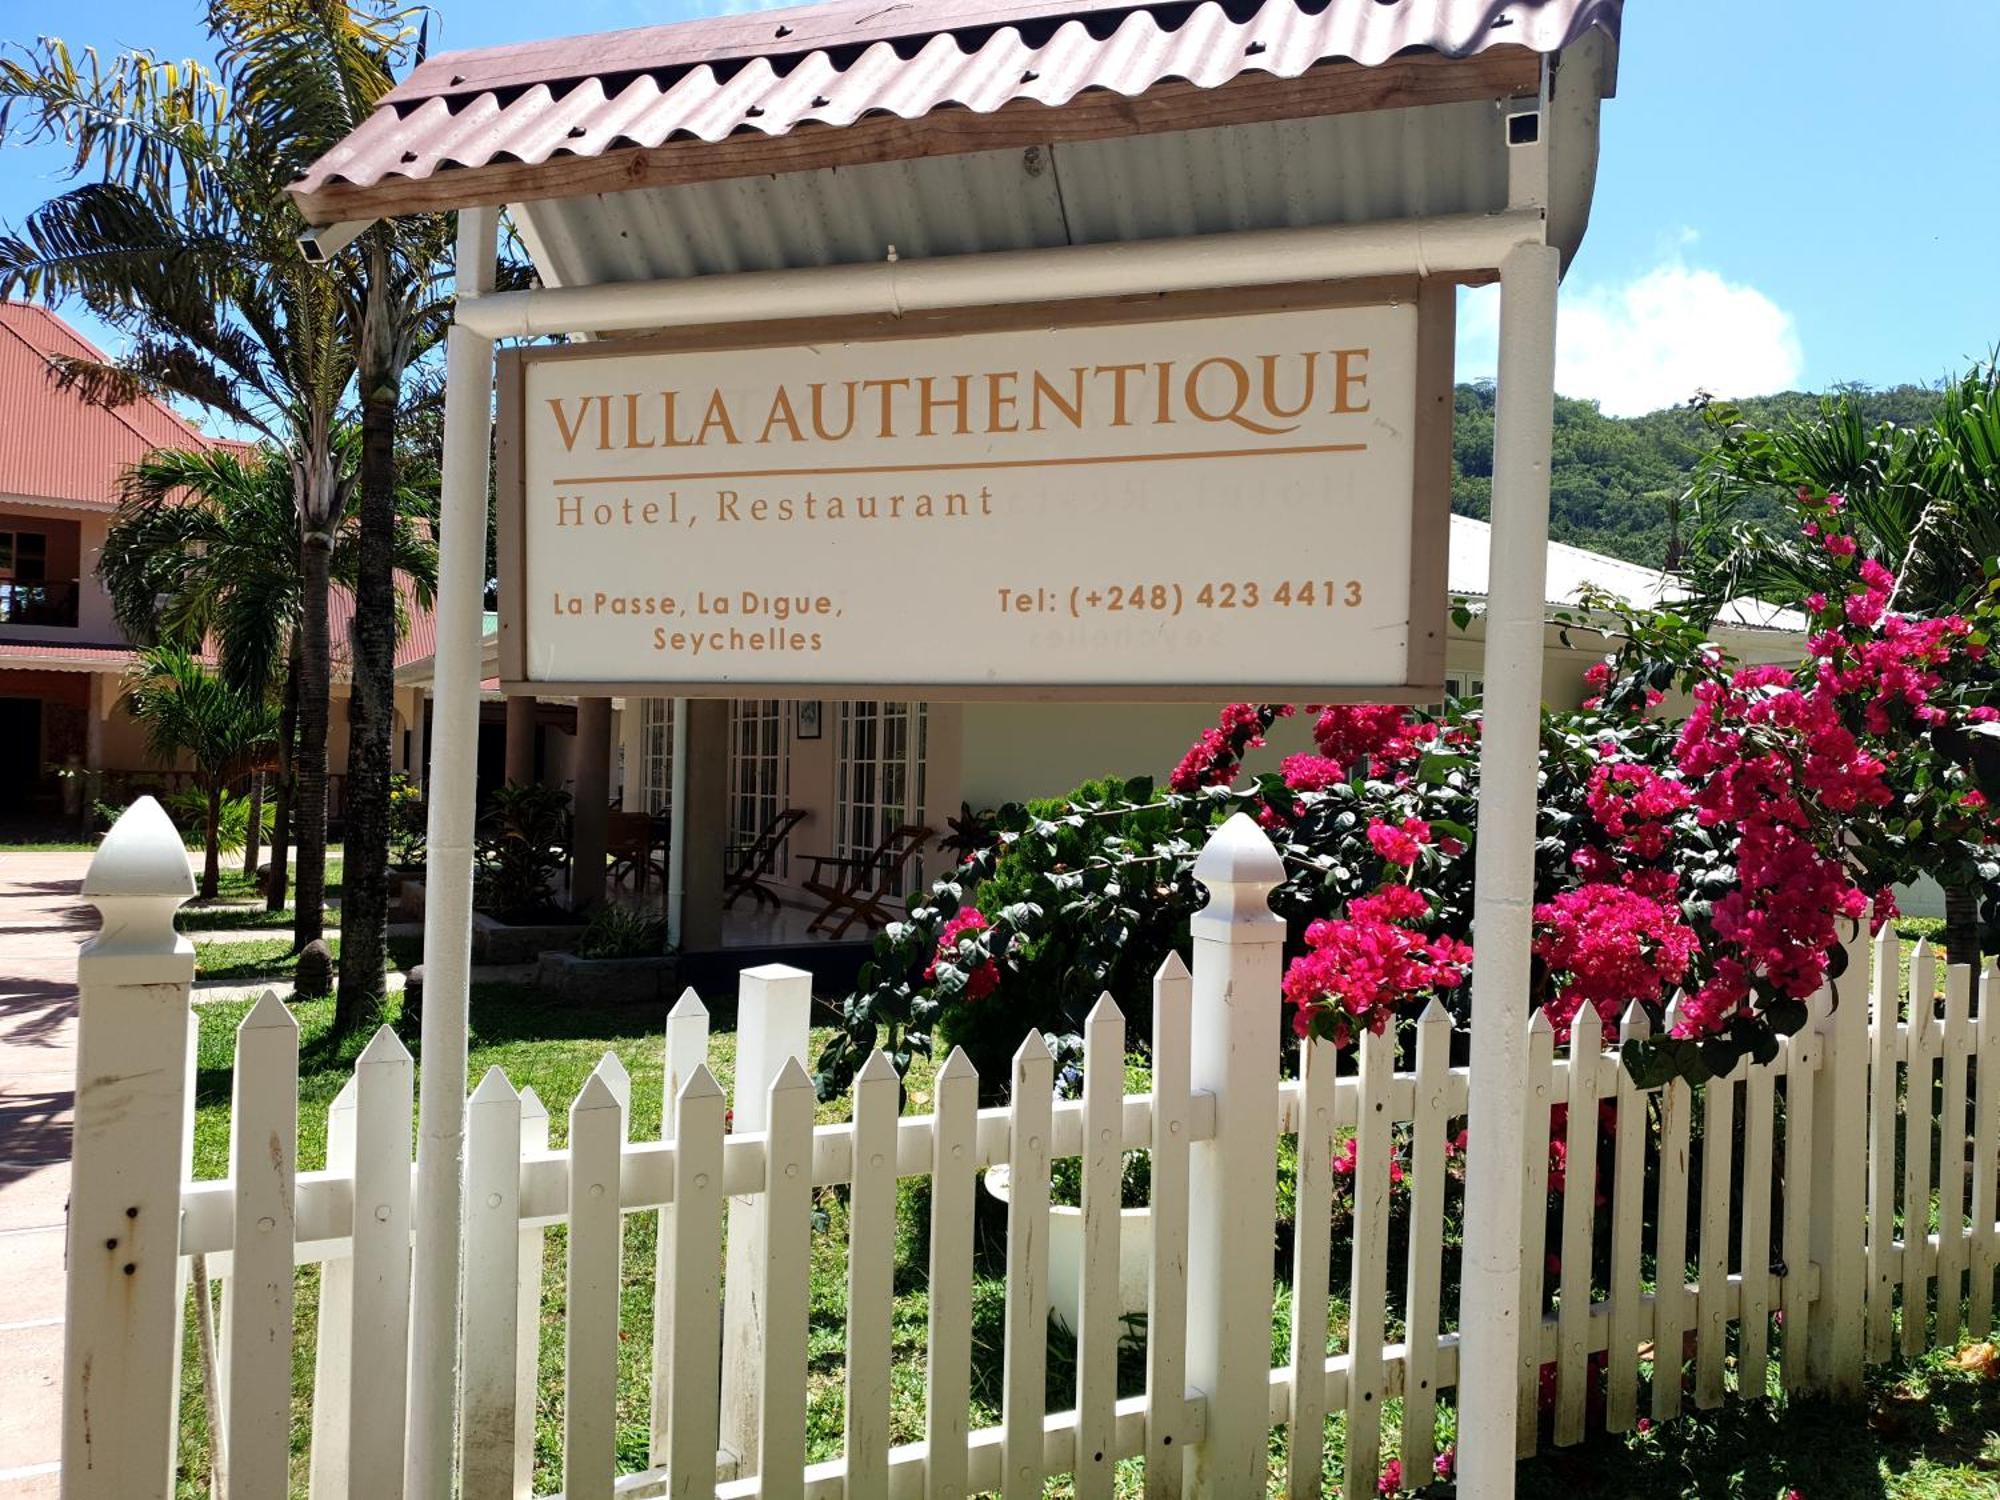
211	863
364	892
281	819
309	792
1961	925
253	831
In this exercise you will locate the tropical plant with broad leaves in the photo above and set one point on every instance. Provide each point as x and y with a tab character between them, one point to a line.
1921	499
204	548
188	711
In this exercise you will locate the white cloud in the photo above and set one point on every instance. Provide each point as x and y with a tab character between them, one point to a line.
1652	341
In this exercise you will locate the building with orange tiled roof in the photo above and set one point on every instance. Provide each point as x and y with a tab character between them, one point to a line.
62	655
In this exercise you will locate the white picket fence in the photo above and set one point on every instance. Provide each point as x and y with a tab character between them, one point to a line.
1792	1235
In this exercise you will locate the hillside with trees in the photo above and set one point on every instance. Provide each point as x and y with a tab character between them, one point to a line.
1617	480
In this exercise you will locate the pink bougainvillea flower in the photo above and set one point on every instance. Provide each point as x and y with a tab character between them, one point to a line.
983	978
1399	843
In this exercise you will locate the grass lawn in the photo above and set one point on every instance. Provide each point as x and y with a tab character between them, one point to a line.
247	959
1926	1433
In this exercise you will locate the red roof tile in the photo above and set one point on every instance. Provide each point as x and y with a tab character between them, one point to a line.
62	658
56	446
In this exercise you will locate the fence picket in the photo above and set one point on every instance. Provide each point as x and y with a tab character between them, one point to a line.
1372	1145
1670	1300
379	1376
492	1260
1985	1154
1803	1052
1718	1136
687	1049
1753	1316
948	1364
257	1298
1426	1263
1312	1265
1956	1045
1024	1361
528	1309
787	1281
590	1344
1885	1005
1579	1209
1099	1310
1628	1201
1540	1099
871	1275
1919	1104
1166	1304
332	1349
694	1396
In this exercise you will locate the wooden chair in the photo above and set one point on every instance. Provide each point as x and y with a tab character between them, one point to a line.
858	889
628	839
751	864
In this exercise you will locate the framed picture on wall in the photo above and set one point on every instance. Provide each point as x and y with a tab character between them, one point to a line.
808	727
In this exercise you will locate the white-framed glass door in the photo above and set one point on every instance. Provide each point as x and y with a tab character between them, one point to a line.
760	769
656	755
878	772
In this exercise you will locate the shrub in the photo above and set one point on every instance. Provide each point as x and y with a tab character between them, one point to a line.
523	846
409	822
1716	861
621	931
189	810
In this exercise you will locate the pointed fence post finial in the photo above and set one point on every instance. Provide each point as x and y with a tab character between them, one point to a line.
123	1292
1240	866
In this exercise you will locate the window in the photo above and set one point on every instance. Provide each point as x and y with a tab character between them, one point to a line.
656	756
878	773
24	557
759	769
1463	687
26	595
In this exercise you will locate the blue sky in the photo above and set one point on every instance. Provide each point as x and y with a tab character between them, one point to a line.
1792	192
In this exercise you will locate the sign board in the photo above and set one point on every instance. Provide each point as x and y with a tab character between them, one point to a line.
1183	508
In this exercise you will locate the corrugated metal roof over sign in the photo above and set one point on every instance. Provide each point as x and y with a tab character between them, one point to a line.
834	66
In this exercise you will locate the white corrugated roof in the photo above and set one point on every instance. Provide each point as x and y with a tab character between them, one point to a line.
1572	570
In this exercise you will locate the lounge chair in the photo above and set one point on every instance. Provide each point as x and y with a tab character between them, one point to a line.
859	889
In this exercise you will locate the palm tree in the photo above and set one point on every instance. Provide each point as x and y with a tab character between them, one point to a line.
205	547
306	73
186	710
178	232
1922	500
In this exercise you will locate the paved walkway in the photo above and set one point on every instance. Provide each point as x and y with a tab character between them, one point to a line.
42	921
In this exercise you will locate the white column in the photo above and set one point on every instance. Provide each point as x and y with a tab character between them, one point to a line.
1489	1307
448	882
121	1358
420	753
1238	951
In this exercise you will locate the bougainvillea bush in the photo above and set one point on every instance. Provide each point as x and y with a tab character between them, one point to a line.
1710	856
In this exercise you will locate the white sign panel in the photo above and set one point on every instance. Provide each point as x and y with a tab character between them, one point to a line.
1167	509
